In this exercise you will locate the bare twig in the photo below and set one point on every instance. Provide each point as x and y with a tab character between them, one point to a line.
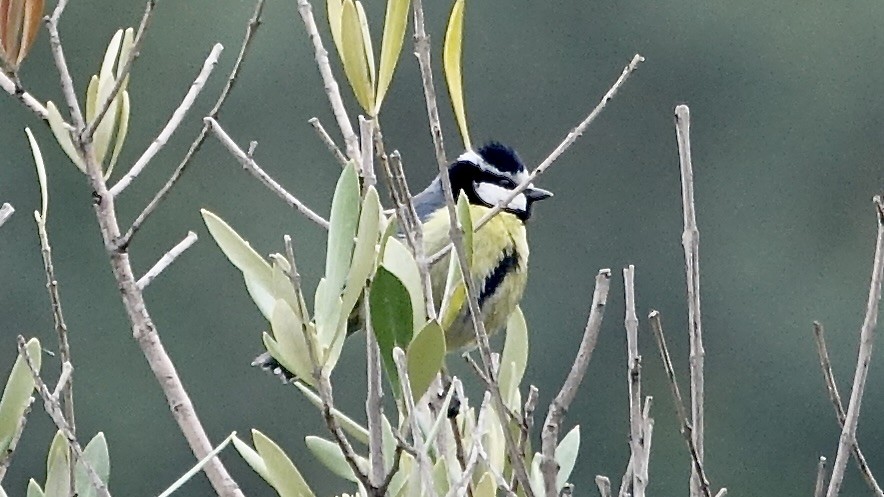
638	440
177	117
6	210
251	29
332	90
252	167
422	52
840	415
428	488
819	489
604	485
166	260
567	142
328	141
680	411
50	404
374	405
867	340
124	71
12	87
559	406
690	240
67	84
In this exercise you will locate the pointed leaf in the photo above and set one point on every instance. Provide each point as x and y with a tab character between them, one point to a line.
122	130
397	484
251	456
343	221
17	393
285	477
62	136
399	261
486	486
330	455
566	456
452	55
425	355
352	428
365	251
14	16
391	318
95	454
41	173
256	271
395	23
288	332
354	56
536	476
335	10
34	489
514	357
31	26
366	40
58	473
92	98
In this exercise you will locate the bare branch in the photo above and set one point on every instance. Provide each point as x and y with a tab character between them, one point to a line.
690	240
124	71
328	80
819	489
835	397
555	415
6	210
67	84
251	29
13	88
604	485
166	260
328	141
567	142
177	117
637	433
867	340
422	52
252	167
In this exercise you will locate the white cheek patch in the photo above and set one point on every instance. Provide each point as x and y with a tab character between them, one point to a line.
494	194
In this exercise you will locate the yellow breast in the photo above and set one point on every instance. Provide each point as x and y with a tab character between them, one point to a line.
499	271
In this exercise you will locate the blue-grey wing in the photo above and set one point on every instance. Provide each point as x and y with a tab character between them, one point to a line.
429	201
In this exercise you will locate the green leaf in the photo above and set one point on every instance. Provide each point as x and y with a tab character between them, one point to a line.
395	22
536	476
452	54
288	332
343	221
566	456
335	10
122	130
34	489
366	40
365	250
397	484
284	475
63	136
352	428
391	318
256	271
17	393
95	454
399	261
355	58
486	486
41	174
282	285
251	456
425	356
494	441
514	358
58	473
196	468
330	455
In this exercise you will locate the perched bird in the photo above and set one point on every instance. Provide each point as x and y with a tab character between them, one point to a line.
500	247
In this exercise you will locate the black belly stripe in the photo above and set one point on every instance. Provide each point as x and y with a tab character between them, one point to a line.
508	263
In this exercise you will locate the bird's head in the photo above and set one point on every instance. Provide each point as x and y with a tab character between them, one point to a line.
489	175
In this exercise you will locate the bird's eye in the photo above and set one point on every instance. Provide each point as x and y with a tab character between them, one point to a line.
506	183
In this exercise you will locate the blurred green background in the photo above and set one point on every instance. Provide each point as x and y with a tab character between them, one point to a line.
788	121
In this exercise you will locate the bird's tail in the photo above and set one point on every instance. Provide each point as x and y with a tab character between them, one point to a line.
266	362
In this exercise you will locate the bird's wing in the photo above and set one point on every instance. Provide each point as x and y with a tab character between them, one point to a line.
429	201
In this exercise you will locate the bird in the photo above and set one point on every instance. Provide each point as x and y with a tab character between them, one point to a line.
499	269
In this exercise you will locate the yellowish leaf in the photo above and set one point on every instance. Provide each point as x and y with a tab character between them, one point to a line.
354	56
391	46
452	56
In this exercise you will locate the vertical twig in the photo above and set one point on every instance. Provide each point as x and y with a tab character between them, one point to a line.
832	387
867	340
604	485
690	240
422	52
819	489
638	441
559	406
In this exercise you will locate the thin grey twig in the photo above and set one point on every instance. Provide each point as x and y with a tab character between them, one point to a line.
177	117
124	71
67	84
50	404
366	144
255	170
567	142
555	415
604	485
819	489
166	260
6	210
638	440
680	411
840	415
374	405
332	90
690	241
12	87
867	340
422	52
328	141
251	29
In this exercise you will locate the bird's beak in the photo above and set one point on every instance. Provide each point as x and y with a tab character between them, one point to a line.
534	194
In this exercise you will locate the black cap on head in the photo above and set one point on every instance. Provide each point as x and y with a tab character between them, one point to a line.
502	157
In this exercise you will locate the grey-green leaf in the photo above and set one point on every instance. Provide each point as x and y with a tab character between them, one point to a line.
330	455
343	220
566	456
425	355
34	489
58	473
96	454
17	394
284	475
514	357
251	456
